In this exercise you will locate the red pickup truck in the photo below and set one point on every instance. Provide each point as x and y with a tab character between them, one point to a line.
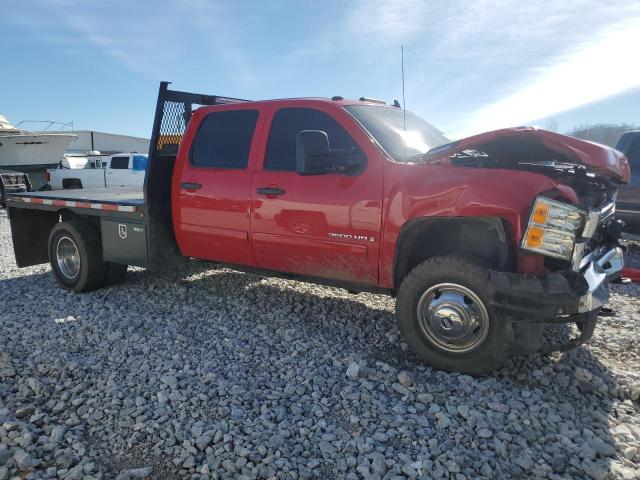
485	241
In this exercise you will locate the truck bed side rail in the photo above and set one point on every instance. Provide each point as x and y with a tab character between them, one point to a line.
173	111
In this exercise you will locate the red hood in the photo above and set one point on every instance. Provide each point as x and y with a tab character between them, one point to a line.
510	145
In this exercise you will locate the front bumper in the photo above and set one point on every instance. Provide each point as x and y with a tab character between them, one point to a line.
531	302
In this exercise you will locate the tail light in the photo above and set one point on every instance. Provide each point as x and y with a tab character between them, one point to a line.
47	176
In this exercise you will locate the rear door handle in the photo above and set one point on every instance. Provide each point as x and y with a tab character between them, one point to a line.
270	191
190	185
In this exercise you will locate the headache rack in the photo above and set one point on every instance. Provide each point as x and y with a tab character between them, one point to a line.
173	111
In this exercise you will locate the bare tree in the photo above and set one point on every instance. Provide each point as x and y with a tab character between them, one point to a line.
604	133
551	125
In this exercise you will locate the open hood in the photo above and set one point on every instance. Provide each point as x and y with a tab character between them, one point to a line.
530	145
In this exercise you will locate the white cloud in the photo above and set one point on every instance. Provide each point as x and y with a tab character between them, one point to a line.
380	23
222	32
471	64
152	40
592	71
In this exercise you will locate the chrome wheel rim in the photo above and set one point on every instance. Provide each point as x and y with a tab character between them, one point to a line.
453	318
68	257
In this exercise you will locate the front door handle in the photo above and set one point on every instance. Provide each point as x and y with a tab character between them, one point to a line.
190	185
270	191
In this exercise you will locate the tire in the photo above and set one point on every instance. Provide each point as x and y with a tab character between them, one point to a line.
114	273
79	243
454	288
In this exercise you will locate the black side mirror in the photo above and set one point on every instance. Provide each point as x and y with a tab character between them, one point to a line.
312	152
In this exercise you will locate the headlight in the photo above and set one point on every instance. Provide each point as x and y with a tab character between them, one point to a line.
552	228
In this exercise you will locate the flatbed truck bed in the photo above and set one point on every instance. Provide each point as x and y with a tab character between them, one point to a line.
123	199
119	213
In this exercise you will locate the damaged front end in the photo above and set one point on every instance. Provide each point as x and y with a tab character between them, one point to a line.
530	303
573	294
530	148
572	230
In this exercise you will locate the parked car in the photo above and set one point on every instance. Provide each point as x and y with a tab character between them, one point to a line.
120	170
485	241
628	203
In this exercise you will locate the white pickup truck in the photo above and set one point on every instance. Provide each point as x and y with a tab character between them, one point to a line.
122	170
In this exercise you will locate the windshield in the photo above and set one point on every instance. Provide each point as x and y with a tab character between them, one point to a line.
403	135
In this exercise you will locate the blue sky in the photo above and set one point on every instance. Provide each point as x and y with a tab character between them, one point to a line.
471	65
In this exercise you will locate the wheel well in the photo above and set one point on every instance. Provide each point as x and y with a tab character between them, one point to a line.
67	215
485	237
71	183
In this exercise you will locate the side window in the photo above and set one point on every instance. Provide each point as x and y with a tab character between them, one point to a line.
224	139
287	122
139	163
120	163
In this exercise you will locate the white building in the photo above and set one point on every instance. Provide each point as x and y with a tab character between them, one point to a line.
106	143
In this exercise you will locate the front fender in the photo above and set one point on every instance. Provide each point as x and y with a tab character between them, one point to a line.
427	190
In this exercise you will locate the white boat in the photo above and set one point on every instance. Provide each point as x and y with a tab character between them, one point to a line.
27	151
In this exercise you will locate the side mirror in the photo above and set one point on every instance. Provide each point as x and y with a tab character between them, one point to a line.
312	152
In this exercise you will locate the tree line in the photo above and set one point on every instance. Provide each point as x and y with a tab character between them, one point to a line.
604	133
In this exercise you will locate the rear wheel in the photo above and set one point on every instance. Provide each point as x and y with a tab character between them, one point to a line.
75	255
444	314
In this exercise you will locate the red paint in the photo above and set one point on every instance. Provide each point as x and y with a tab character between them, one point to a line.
531	263
213	222
291	232
227	220
631	273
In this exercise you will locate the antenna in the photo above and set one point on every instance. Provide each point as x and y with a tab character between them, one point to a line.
404	104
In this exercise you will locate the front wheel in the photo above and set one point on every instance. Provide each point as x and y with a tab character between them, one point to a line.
444	314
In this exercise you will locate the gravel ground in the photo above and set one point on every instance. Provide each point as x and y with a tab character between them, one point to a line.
212	373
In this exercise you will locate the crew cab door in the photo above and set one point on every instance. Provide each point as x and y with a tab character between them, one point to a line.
212	182
321	225
118	173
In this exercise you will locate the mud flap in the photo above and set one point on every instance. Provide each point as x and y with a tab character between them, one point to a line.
30	233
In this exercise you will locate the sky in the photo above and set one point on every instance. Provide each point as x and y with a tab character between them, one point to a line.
470	65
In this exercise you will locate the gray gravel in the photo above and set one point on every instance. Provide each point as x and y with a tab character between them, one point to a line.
211	373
